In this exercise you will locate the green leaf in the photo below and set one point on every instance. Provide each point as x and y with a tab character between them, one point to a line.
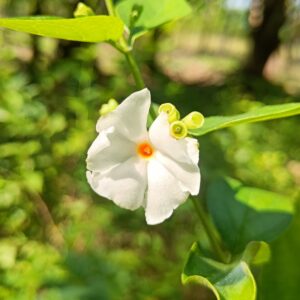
227	281
280	278
84	29
142	15
257	253
264	113
244	214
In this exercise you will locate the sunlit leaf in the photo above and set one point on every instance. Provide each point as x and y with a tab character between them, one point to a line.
84	29
227	281
264	113
142	15
244	214
257	253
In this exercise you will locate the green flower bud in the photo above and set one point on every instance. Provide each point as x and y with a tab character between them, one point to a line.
83	10
170	109
178	130
110	106
193	120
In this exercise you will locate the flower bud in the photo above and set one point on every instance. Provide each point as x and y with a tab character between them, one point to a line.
170	109
178	130
110	106
83	10
193	120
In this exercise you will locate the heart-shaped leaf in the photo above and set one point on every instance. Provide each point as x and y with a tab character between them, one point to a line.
84	29
244	214
256	253
228	282
142	15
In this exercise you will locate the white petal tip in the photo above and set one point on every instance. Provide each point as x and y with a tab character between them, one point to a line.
145	90
145	93
196	193
155	221
196	190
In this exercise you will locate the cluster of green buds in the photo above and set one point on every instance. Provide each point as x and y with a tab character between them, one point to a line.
179	127
108	107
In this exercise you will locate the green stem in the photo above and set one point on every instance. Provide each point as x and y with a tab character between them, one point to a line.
110	7
140	84
127	52
135	70
209	230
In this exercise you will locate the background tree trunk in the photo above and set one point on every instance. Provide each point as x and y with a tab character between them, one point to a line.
266	17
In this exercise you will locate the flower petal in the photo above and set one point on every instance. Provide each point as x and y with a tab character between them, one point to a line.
193	149
162	140
108	150
188	175
125	184
164	193
179	157
130	117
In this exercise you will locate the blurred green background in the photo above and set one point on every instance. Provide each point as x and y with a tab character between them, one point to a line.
59	240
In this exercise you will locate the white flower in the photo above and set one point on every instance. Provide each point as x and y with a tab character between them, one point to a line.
135	168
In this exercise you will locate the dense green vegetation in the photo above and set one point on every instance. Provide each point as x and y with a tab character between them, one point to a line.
59	240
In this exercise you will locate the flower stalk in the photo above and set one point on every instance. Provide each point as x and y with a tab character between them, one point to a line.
209	230
134	70
126	50
110	7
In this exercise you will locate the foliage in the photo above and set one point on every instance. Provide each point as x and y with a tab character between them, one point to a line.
259	114
244	214
59	241
141	16
84	29
226	281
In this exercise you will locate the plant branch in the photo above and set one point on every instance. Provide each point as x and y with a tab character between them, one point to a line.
135	70
123	47
209	230
51	229
126	50
110	7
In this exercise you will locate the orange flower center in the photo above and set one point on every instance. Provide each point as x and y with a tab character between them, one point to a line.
145	150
